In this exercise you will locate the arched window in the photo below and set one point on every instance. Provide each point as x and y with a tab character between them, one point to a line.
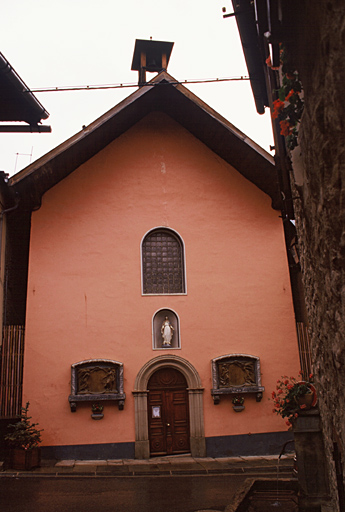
162	262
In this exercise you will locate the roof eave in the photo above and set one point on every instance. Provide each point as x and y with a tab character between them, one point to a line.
247	27
31	110
165	94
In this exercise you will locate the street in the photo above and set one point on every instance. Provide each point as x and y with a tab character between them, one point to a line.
118	494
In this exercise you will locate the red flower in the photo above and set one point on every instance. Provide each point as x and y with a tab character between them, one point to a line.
291	93
278	105
285	128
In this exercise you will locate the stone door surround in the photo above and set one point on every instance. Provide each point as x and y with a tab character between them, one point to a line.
195	396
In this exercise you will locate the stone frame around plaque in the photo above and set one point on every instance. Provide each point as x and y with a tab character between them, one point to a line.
245	377
97	380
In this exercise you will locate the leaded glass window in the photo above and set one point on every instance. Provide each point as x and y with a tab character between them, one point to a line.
162	263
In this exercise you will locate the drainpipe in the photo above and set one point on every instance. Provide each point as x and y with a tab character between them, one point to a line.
1	234
2	220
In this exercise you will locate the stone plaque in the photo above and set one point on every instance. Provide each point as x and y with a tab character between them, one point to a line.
96	380
236	373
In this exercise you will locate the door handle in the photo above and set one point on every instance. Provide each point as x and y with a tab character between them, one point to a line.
168	424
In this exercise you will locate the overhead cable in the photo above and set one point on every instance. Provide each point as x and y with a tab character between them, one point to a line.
127	85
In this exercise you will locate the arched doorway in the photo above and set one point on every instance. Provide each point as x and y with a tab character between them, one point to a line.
195	404
168	413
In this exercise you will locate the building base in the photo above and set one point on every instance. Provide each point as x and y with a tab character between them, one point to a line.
270	443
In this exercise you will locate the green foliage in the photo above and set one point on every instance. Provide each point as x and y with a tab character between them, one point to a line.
238	400
24	433
285	398
288	107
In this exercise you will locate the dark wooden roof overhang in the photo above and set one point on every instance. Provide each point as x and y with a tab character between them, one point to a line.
161	94
248	15
18	103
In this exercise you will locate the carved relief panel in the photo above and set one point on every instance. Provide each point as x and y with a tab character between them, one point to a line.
234	374
96	380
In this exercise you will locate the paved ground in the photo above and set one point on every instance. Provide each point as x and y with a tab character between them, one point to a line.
167	484
174	465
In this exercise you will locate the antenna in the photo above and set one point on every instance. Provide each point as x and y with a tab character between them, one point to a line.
23	154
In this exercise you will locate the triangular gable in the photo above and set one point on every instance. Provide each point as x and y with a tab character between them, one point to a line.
165	94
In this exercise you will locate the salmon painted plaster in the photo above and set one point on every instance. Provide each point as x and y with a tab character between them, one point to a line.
84	296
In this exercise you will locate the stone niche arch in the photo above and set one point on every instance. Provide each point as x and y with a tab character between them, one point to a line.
157	320
195	397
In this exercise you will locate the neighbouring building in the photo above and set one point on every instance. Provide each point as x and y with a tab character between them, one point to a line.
311	35
20	112
158	285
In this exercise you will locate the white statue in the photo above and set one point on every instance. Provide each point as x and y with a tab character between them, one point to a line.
167	332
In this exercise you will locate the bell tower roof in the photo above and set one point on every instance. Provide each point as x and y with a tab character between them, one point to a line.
150	56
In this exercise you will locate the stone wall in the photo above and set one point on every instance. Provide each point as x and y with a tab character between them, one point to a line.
318	52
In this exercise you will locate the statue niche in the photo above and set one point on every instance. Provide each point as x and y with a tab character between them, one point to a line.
165	330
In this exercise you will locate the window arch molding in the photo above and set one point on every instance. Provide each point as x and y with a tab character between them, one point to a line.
163	262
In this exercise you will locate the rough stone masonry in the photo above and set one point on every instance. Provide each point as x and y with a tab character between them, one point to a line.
317	49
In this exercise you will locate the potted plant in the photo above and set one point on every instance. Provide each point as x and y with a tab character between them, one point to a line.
293	396
238	402
289	104
23	442
97	411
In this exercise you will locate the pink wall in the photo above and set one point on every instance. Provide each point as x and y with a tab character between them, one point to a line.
84	290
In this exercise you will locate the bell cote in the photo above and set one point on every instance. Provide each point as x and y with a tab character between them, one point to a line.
152	56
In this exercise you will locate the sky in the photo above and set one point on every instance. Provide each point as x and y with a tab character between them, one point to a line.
82	42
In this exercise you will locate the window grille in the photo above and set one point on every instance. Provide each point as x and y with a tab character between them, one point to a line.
162	263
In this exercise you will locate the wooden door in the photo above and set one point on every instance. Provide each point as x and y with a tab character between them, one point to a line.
168	413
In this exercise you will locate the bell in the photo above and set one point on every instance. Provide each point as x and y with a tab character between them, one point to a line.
153	65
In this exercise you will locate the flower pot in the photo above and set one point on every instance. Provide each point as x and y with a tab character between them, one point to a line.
238	408
97	415
306	401
25	459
